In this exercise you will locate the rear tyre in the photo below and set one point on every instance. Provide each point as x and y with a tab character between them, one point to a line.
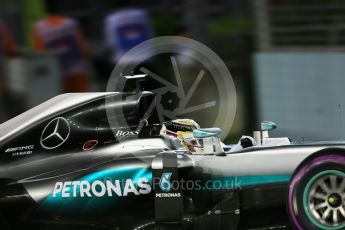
316	198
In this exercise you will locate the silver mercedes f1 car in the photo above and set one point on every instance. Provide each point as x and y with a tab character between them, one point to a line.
63	163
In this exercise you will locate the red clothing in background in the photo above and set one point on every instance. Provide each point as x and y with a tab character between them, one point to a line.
63	36
7	48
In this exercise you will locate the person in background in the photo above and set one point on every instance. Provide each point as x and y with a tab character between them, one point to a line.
7	98
63	36
7	49
125	29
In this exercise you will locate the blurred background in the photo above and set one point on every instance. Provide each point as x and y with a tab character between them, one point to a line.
287	58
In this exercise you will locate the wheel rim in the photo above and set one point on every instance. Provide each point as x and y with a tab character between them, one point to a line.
324	200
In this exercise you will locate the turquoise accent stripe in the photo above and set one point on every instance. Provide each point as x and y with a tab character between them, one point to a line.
261	180
240	182
114	174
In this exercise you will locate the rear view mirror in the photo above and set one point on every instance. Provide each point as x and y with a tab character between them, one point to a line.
209	132
268	125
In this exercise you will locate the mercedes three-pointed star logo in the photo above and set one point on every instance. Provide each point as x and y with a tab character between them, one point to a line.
55	133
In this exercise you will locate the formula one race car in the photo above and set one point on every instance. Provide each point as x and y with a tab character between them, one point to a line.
63	164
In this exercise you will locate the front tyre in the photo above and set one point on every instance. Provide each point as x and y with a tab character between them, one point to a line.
316	198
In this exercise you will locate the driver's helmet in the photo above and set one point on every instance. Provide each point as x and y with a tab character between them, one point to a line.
182	129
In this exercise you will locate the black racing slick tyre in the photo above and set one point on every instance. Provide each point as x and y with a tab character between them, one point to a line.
316	198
